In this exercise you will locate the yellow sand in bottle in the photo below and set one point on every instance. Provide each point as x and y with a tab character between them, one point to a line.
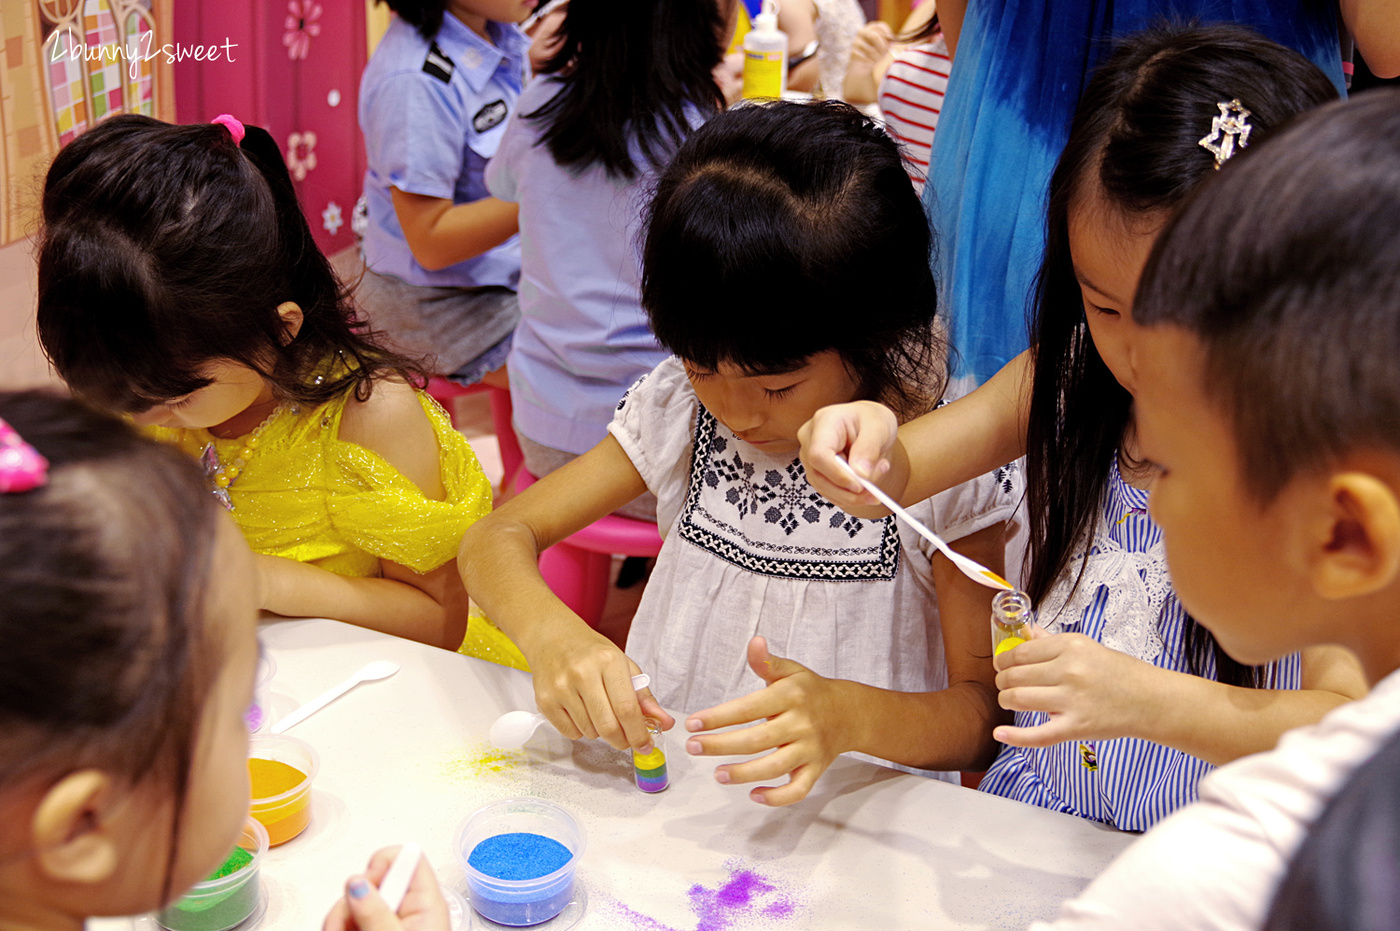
1008	644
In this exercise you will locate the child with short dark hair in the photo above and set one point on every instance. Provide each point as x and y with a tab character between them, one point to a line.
192	297
128	611
1268	403
768	228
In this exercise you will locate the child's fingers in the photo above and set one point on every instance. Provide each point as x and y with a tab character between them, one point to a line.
652	709
1049	699
368	909
796	789
739	742
626	709
754	706
1030	674
1035	650
1054	731
602	719
776	764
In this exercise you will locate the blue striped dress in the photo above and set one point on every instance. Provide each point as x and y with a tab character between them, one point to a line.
1125	601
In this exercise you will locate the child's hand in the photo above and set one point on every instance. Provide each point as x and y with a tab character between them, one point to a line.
1090	691
802	729
865	433
362	908
583	685
872	43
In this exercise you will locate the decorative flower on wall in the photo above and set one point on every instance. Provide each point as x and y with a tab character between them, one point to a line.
301	26
301	154
331	219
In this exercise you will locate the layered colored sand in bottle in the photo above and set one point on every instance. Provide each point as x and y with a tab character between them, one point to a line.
519	856
229	897
280	770
1012	617
650	768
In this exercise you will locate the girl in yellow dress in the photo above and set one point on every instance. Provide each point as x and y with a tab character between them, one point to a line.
179	284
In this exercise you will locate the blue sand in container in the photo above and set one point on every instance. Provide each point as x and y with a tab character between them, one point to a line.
515	859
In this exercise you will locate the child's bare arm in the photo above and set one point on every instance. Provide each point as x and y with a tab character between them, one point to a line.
954	444
807	720
429	608
440	233
1095	693
582	681
1375	25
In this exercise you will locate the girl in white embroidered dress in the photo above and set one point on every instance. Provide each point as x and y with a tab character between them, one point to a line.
771	224
1121	714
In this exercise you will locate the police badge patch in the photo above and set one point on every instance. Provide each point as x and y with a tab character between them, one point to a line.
490	116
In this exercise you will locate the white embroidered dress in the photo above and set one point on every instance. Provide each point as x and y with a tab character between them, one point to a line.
751	548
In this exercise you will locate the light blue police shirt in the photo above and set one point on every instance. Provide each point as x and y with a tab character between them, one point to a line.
432	115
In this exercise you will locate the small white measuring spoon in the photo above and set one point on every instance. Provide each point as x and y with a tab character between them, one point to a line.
380	669
514	728
971	568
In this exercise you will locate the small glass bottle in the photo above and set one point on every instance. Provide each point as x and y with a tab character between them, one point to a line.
1012	617
650	768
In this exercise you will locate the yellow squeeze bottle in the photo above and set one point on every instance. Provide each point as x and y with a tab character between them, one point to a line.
765	55
1011	620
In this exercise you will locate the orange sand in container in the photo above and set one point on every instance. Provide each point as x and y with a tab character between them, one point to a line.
284	818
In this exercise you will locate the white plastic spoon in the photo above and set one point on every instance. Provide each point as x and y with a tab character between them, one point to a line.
380	669
514	728
400	876
971	568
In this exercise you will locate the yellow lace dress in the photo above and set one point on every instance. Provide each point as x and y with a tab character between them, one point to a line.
308	495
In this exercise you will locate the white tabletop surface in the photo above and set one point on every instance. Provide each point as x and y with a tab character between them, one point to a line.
407	759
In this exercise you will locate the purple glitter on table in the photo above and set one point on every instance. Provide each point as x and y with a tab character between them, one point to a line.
745	896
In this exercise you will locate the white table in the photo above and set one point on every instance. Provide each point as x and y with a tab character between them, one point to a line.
407	759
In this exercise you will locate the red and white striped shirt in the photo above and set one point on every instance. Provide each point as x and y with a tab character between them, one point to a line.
911	96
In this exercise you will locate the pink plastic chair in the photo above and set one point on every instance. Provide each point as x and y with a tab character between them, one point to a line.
577	568
443	391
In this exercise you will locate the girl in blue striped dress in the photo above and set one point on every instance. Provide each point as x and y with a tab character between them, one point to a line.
1129	703
1121	713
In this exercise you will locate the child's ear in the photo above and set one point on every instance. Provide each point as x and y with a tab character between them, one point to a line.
1361	550
290	312
70	836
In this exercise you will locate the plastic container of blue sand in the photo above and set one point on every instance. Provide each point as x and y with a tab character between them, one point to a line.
519	856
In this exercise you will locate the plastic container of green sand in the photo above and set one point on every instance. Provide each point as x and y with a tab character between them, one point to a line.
229	898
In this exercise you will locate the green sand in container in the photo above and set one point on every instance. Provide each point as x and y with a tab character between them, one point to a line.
216	911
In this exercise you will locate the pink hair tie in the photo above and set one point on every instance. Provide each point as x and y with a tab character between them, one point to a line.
21	466
229	122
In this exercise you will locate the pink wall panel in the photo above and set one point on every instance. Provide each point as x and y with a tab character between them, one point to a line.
296	72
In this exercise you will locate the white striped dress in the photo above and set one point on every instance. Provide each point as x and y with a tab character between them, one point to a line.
1125	601
911	97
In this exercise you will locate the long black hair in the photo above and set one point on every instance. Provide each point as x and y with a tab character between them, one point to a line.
773	225
1134	151
103	592
165	247
660	53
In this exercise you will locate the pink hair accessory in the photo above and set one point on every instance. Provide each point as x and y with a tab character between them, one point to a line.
231	123
21	466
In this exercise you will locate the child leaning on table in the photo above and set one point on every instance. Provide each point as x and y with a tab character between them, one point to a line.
1269	406
128	613
771	225
1120	714
179	283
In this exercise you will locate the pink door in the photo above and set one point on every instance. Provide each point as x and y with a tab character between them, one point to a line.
296	72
